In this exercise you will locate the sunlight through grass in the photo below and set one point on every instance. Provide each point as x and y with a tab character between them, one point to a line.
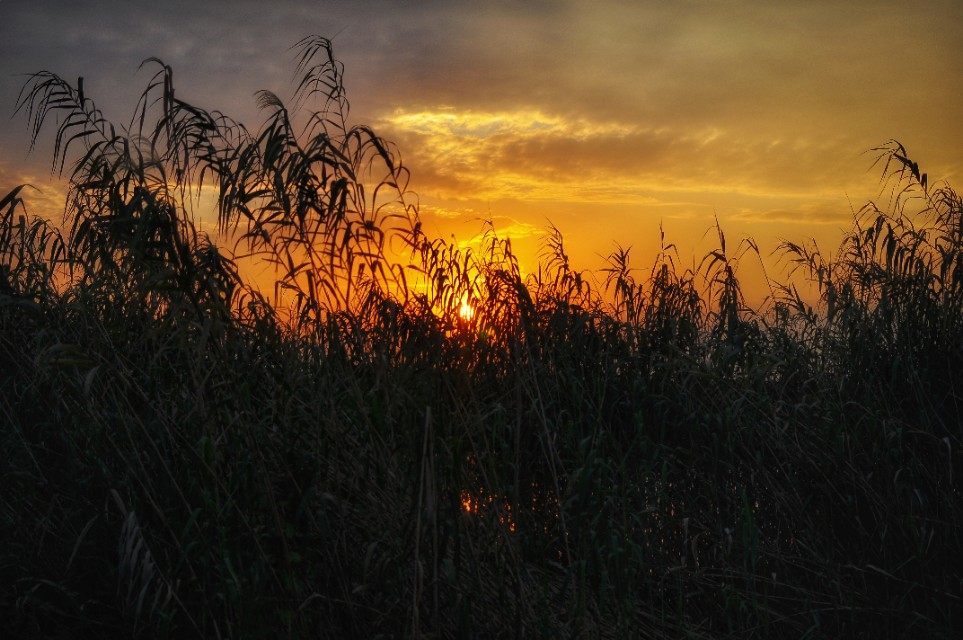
417	438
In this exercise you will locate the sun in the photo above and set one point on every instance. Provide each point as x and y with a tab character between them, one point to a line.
466	311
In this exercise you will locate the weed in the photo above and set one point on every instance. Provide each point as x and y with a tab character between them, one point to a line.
347	454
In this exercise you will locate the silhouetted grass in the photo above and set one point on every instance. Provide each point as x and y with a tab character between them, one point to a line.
348	456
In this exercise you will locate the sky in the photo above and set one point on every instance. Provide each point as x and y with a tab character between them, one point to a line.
608	119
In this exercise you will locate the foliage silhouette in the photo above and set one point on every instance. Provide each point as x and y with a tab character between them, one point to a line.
351	457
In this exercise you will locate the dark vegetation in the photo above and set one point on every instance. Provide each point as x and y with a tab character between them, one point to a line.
347	456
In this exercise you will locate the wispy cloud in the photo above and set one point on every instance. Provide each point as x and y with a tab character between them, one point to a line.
532	155
803	214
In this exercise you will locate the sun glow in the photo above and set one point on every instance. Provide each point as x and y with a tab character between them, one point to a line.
466	312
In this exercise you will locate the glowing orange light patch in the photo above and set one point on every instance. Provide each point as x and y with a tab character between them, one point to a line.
467	503
466	311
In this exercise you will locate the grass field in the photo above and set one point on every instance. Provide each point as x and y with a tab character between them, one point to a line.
408	439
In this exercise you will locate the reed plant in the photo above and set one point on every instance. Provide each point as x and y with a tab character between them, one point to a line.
347	454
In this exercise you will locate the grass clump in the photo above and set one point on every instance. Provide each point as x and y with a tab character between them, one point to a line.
348	455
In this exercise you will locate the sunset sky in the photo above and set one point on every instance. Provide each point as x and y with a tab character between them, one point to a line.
604	118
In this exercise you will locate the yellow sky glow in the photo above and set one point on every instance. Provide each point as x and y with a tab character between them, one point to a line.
470	166
608	119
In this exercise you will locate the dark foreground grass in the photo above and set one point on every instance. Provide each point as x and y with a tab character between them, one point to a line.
184	458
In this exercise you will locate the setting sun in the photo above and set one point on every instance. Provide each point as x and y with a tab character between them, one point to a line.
466	312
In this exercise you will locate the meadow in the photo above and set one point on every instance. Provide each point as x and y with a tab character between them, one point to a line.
404	438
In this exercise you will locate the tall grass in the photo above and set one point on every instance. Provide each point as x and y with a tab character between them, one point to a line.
188	455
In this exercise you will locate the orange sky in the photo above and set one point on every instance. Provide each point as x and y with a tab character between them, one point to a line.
605	118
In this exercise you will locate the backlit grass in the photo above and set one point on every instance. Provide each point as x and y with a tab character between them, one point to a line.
354	454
